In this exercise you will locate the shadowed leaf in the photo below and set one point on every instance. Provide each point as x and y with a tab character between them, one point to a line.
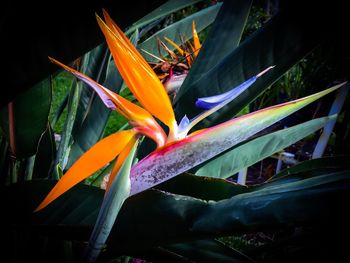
283	41
253	151
28	120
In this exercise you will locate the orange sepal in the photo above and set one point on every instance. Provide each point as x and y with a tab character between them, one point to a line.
136	115
181	51
137	74
196	42
91	161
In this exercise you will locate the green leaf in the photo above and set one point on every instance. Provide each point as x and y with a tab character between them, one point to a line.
283	41
209	188
111	205
25	119
311	200
98	180
159	218
208	251
205	250
223	37
58	113
202	18
255	150
290	193
329	163
309	169
66	136
205	188
182	155
45	154
157	254
167	8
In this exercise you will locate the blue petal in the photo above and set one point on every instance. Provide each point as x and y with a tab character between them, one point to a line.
209	102
214	103
183	124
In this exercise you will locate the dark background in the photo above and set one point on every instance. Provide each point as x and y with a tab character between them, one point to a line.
31	31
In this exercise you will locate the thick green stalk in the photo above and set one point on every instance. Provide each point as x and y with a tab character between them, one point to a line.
112	203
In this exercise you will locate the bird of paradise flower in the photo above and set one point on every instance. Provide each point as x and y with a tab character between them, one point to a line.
176	151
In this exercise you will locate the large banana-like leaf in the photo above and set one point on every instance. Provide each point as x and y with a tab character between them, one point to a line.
208	188
313	200
25	119
255	150
202	18
185	154
160	218
223	38
283	41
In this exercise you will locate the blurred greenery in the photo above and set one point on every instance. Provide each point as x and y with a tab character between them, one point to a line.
115	122
61	84
258	16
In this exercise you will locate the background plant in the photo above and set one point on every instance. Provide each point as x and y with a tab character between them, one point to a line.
188	223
